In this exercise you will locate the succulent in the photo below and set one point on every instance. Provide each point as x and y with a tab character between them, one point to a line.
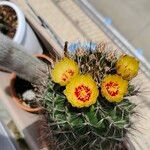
103	125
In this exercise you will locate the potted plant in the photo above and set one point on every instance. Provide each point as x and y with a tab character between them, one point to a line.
27	70
14	25
26	94
87	99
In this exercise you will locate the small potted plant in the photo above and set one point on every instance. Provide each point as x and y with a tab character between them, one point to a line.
24	93
29	71
14	25
87	99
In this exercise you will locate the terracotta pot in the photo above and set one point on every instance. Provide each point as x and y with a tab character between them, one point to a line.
15	98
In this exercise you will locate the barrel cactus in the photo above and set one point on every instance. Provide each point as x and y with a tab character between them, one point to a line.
81	116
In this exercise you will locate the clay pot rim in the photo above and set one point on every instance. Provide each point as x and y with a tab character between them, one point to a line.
13	92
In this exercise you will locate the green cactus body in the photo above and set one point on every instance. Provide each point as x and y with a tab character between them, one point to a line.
103	125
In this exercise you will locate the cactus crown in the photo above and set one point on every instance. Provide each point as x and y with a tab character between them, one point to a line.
103	125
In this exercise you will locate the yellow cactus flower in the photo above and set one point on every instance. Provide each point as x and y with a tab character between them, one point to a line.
113	88
64	71
82	91
127	67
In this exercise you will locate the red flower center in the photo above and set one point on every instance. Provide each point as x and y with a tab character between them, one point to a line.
112	88
83	93
68	73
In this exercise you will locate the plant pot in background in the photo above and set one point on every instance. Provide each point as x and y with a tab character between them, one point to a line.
14	94
24	35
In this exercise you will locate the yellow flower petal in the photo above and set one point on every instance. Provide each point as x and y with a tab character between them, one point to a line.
64	71
127	67
113	88
82	91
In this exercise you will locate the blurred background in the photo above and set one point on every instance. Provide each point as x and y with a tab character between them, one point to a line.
130	18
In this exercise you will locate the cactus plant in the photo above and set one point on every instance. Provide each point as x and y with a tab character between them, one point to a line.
103	125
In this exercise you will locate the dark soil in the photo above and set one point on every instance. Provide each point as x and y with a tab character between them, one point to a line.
8	21
21	86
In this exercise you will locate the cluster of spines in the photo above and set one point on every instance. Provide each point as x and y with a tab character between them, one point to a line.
86	128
